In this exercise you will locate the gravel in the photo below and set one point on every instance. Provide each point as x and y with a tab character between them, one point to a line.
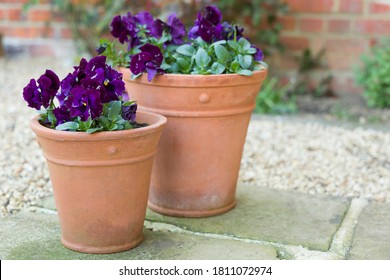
308	157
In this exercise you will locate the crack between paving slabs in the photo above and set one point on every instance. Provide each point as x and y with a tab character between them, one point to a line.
283	251
343	237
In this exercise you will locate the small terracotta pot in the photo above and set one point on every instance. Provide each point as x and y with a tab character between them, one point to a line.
101	183
199	155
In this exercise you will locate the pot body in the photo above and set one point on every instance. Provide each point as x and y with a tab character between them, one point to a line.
101	183
198	159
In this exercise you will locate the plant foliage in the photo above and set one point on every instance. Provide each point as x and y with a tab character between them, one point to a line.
374	76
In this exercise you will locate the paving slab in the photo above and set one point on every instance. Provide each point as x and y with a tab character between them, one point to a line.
31	236
372	235
271	215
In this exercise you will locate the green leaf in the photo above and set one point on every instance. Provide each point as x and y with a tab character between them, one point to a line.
234	66
245	61
93	130
114	110
220	42
114	127
50	116
222	54
244	72
186	50
234	45
183	64
202	59
133	77
244	44
71	126
251	51
218	68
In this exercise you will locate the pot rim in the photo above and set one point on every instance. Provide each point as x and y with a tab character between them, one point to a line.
46	132
190	80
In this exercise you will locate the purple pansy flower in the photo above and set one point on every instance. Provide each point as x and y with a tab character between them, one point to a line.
84	103
213	15
208	26
43	93
144	18
176	29
62	114
32	95
129	112
149	60
173	25
124	28
258	55
113	85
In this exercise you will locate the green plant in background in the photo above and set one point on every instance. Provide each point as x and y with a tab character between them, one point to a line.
308	62
89	20
260	17
275	99
374	76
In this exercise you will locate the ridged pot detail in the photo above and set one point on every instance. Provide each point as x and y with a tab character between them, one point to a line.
199	155
101	183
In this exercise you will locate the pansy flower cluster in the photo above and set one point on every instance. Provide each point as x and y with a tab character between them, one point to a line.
88	99
152	46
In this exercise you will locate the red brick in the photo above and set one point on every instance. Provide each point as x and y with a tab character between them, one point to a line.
311	25
372	27
288	22
342	60
66	33
310	6
29	32
2	15
339	25
379	7
42	15
346	46
351	6
15	14
295	43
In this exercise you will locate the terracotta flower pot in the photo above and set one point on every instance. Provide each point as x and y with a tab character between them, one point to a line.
101	183
199	155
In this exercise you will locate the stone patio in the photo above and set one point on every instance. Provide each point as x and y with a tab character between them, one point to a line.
266	224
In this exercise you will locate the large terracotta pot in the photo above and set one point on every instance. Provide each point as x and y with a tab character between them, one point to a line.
101	183
199	155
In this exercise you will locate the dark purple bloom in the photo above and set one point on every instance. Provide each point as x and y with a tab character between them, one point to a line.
206	30
49	83
176	29
193	32
173	26
213	15
208	26
157	28
124	28
93	75
32	95
258	55
129	112
84	103
61	114
113	85
144	18
43	93
149	60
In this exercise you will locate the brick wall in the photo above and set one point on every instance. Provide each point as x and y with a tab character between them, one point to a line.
28	30
346	28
